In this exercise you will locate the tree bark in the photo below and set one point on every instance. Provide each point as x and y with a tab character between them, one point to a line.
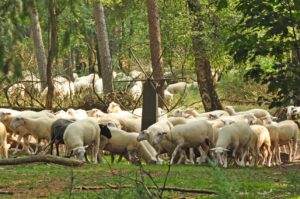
207	90
155	46
38	42
42	158
103	45
52	53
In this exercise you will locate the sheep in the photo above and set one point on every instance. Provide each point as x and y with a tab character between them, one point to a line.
7	116
115	108
193	134
136	90
77	114
82	133
247	118
177	120
287	132
292	112
258	113
274	137
189	113
95	113
168	96
39	128
57	133
235	137
178	87
161	126
16	92
3	142
123	142
129	124
262	140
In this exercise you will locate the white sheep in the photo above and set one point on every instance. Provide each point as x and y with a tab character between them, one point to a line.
16	92
168	96
262	140
287	135
192	135
292	112
136	90
81	134
178	87
39	128
78	114
126	143
235	137
3	142
95	113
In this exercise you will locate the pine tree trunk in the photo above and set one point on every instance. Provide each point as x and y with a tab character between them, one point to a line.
155	46
207	91
52	53
103	45
38	42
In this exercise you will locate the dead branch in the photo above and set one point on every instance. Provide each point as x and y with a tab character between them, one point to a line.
178	189
42	158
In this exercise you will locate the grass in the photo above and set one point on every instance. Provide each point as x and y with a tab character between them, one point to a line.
53	181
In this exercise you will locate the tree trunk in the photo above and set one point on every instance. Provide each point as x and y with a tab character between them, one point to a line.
155	46
38	42
207	91
91	59
69	65
52	53
103	45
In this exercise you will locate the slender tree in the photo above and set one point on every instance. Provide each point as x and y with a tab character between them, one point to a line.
38	42
103	45
155	45
207	91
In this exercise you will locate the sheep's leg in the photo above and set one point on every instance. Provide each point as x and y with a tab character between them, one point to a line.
183	155
18	143
27	146
294	149
175	153
290	151
37	146
269	156
57	149
244	153
192	155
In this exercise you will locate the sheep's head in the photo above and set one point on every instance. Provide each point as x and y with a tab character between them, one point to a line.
221	155
113	108
79	152
158	137
251	118
144	135
16	122
230	110
4	115
105	131
178	113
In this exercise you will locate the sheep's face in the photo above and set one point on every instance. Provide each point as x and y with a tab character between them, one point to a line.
221	154
15	123
3	115
178	113
144	135
158	137
79	152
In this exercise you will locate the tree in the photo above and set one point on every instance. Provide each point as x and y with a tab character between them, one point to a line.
207	91
155	46
103	45
38	42
269	30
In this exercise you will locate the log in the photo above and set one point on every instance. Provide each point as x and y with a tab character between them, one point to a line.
42	158
183	190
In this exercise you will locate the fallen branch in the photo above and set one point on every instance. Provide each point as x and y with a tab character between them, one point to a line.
42	158
110	186
6	192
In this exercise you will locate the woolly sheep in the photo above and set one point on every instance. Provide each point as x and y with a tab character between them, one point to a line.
57	133
95	113
292	112
193	134
123	142
16	92
178	87
3	142
39	128
82	133
136	90
262	140
235	137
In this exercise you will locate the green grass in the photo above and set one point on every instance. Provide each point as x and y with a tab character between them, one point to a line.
53	181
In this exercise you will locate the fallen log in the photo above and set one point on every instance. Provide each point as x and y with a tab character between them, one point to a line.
178	189
42	158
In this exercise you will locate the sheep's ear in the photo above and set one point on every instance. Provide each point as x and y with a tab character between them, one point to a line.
212	149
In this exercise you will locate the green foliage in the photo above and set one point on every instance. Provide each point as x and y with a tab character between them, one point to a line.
269	29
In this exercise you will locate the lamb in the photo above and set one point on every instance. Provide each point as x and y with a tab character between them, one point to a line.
287	132
262	140
235	137
57	133
126	143
39	128
81	133
193	134
3	142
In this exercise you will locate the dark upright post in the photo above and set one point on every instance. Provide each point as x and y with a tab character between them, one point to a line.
150	102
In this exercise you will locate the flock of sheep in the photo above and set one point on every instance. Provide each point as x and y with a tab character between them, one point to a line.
248	138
